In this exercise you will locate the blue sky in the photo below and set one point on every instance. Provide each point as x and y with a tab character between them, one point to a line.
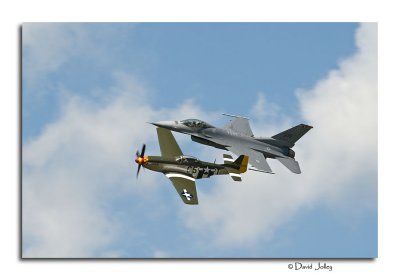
218	60
89	89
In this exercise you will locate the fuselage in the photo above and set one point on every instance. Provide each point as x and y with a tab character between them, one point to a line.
220	138
268	146
185	165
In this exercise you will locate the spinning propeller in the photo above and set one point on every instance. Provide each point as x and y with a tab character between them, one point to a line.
140	160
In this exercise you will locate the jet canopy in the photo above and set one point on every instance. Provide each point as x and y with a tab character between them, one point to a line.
195	123
186	159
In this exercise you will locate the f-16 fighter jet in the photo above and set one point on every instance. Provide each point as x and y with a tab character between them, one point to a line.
238	138
183	170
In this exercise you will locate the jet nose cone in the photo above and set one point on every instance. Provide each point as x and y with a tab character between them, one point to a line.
165	124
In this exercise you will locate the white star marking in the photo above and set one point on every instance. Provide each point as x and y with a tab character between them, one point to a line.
186	194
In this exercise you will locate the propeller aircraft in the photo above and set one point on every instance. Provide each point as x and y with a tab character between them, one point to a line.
183	170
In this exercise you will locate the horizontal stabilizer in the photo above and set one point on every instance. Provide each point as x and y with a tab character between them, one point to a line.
234	173
228	159
292	135
291	164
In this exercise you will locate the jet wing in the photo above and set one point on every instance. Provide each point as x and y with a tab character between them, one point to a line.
256	159
185	186
167	142
240	126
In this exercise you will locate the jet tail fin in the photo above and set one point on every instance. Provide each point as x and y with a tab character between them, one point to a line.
292	135
290	164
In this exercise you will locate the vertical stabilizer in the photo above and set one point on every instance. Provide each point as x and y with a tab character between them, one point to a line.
292	135
235	168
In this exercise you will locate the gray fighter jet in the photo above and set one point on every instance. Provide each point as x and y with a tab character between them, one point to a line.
238	138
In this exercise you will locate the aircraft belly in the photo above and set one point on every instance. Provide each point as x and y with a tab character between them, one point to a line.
240	145
154	166
245	145
245	142
269	151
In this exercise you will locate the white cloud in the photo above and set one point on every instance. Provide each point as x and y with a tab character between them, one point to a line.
343	109
264	108
49	46
336	157
80	163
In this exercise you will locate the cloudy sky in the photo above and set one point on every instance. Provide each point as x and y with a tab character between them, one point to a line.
89	89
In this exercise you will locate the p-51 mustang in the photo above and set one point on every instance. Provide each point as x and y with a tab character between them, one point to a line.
238	138
183	170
